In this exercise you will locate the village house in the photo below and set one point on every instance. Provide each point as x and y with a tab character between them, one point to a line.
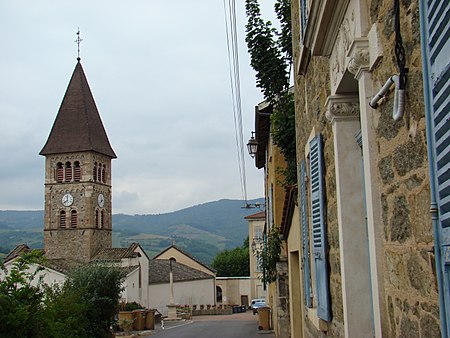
366	258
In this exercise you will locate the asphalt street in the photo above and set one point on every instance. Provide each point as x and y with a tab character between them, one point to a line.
238	325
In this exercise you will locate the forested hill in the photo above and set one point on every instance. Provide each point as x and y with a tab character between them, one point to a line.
202	230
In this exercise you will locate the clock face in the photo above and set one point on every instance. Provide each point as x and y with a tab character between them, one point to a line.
67	200
101	200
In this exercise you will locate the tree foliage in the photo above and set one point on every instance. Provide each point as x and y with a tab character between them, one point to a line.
21	302
98	288
83	307
271	57
234	262
266	57
271	255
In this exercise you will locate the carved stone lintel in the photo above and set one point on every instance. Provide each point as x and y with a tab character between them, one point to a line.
342	107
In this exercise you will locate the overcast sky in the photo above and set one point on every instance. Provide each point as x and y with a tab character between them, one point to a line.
159	74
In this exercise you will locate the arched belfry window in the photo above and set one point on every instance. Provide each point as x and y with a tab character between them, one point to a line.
104	174
68	172
59	172
102	219
99	172
62	219
76	171
73	219
96	218
94	172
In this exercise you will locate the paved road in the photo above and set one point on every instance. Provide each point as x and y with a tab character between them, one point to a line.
239	325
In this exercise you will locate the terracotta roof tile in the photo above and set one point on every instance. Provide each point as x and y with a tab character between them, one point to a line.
78	126
258	215
17	251
116	254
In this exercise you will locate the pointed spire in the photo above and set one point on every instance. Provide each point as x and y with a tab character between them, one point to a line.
78	126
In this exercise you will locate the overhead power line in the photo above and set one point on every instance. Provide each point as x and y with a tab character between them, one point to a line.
233	60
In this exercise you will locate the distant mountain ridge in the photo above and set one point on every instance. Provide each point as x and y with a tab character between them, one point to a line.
202	230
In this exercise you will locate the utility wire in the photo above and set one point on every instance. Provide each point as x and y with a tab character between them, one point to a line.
233	60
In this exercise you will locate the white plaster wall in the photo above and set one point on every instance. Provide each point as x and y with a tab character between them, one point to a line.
234	288
192	292
143	264
131	292
49	276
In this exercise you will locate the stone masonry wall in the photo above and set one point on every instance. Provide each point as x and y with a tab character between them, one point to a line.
407	252
311	92
410	282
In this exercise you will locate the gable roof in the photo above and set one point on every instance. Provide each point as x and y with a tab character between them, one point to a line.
117	254
63	265
258	215
188	255
159	270
78	126
17	251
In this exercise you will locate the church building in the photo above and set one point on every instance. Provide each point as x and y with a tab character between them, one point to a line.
78	210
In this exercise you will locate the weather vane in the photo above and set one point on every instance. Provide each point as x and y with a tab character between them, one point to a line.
78	41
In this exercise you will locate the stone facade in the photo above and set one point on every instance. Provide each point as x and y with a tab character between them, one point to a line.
351	62
93	228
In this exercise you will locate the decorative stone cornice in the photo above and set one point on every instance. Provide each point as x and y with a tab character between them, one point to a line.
324	19
358	55
342	107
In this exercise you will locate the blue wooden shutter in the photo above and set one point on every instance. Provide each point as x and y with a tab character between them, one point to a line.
436	46
305	236
303	18
319	228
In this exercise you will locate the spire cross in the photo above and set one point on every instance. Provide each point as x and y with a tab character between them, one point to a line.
78	41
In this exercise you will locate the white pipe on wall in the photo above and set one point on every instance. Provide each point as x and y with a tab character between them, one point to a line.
399	97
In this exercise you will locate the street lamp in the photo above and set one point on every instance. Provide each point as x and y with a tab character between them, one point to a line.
252	145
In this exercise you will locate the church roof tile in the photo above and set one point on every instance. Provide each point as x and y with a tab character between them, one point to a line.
159	270
78	126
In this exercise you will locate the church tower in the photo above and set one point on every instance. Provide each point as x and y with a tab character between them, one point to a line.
78	155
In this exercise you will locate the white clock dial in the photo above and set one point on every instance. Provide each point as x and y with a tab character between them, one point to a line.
101	200
67	200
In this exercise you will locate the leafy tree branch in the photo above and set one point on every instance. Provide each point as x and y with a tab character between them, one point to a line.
271	57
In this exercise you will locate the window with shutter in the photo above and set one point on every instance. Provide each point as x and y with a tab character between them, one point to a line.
104	174
436	46
68	172
99	173
303	18
73	219
94	172
305	235
59	172
318	226
76	172
62	219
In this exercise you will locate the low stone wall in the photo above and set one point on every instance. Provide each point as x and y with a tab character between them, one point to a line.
212	312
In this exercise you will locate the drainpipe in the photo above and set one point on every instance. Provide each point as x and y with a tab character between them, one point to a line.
399	97
431	161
